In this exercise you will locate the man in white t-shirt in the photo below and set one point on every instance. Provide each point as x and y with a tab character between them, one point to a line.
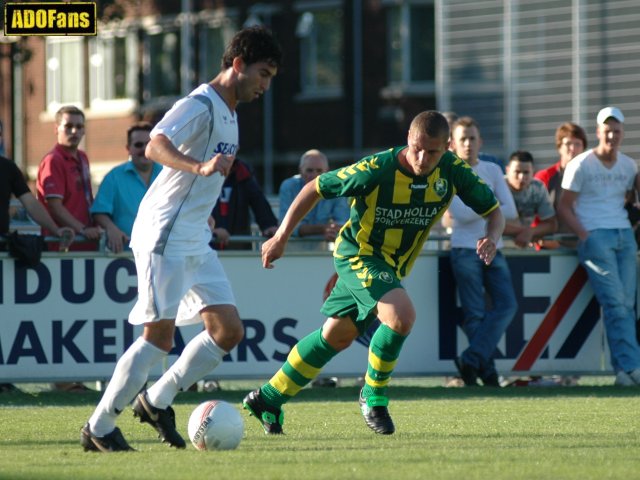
595	186
483	326
180	278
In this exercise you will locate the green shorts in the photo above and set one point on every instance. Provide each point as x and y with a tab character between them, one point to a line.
362	282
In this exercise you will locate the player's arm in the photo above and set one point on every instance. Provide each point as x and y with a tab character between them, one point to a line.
273	248
486	246
161	150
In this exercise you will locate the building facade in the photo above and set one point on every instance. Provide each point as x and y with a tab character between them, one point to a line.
355	73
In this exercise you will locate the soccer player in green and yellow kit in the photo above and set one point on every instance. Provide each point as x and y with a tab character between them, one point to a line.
397	196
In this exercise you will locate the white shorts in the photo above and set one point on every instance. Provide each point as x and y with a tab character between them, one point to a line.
178	287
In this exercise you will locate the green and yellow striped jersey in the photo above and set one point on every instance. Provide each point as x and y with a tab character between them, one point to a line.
392	210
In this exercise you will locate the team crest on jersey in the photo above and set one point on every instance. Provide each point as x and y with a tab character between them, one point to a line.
440	187
385	277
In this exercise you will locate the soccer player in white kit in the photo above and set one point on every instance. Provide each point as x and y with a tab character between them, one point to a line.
180	278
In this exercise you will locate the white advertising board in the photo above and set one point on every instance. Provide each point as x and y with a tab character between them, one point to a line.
66	319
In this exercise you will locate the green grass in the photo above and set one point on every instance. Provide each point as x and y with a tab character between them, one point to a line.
584	432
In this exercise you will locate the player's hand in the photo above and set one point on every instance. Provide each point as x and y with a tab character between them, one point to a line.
486	250
218	163
272	250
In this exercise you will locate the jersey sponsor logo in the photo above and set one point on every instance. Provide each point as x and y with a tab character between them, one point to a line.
418	187
50	18
406	216
226	148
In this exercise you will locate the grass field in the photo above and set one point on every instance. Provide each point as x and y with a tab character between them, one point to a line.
584	432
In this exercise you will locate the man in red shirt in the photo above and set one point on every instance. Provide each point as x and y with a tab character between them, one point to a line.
64	188
64	183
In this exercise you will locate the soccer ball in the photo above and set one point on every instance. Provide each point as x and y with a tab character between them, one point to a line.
215	425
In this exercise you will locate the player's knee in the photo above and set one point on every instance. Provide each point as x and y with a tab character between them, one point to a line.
160	334
403	325
227	334
339	332
235	332
339	344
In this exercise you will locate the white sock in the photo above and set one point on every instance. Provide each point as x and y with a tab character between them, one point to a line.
128	378
199	357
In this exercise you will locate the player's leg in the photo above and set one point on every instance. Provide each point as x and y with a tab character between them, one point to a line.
303	364
159	286
397	316
209	299
129	377
223	331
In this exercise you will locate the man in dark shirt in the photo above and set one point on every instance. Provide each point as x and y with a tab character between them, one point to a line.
241	194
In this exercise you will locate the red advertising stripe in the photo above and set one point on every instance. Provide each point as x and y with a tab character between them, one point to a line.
551	320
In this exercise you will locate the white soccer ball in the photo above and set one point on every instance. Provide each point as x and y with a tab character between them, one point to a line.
215	425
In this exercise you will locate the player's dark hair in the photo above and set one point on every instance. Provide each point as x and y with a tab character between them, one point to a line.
144	126
521	156
432	123
253	44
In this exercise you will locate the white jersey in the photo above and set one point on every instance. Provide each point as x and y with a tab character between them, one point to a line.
601	190
468	226
172	218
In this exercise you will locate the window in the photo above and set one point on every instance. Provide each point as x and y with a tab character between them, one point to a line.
213	36
411	46
65	67
162	62
113	64
321	52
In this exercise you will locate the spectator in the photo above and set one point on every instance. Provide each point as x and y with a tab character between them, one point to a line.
532	201
241	194
64	189
485	157
328	215
594	188
571	140
64	182
482	325
122	189
12	182
376	250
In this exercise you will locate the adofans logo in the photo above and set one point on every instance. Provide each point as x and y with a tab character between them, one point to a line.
50	18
